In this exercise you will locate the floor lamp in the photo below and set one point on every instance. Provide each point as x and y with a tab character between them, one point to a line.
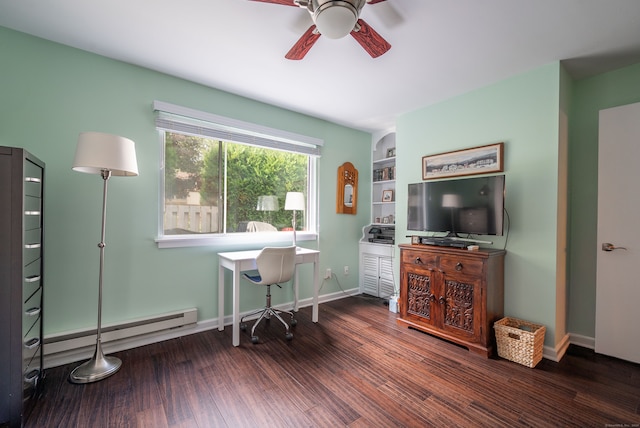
107	155
294	201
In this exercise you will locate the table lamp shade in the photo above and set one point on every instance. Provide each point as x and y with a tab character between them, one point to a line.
97	152
268	203
451	201
294	201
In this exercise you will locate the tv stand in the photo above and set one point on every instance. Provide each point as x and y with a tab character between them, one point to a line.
453	294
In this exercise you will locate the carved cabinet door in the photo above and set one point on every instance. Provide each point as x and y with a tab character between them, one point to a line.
418	302
461	306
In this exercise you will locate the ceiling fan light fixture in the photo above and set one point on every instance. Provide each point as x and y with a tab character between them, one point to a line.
335	19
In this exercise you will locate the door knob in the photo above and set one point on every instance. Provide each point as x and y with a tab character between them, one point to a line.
606	246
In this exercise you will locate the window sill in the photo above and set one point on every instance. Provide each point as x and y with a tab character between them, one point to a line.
258	239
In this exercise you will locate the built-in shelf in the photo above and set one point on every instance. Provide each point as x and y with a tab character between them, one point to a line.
377	245
391	159
383	182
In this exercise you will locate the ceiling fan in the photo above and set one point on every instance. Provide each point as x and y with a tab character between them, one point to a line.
335	19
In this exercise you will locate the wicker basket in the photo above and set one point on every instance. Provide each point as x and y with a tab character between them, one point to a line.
520	341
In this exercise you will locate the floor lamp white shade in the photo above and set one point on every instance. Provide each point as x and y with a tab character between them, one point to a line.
96	152
107	155
294	201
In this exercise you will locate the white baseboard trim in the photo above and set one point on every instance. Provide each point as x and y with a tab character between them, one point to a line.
556	354
84	353
71	355
228	319
584	341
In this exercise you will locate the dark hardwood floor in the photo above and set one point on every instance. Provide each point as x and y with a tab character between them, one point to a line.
354	368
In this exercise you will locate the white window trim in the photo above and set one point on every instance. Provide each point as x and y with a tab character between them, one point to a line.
226	128
239	239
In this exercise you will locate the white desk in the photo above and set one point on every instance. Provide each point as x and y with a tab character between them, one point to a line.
239	261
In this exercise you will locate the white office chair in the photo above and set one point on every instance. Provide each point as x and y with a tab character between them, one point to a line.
275	266
260	226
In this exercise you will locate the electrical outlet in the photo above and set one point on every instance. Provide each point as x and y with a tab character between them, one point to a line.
327	273
346	270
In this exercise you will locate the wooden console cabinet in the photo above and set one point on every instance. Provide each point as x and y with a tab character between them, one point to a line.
452	293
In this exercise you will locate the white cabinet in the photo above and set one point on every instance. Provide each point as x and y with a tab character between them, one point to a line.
376	269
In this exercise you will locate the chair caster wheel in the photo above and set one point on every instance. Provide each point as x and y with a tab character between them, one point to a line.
293	322
254	339
243	327
288	336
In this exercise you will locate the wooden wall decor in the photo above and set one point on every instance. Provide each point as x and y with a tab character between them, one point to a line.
347	191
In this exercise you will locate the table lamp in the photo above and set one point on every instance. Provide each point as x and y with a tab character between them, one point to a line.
294	202
453	201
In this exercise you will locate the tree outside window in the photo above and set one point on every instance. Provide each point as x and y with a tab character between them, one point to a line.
213	186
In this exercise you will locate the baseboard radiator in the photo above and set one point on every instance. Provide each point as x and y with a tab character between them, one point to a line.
73	346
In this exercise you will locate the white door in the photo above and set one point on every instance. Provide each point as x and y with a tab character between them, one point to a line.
617	282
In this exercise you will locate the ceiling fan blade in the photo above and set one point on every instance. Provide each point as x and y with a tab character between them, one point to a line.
304	43
283	2
370	40
374	1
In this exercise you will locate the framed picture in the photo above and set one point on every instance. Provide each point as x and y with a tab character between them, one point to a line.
387	195
391	152
477	160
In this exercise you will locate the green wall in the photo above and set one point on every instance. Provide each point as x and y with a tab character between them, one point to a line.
50	93
522	111
591	95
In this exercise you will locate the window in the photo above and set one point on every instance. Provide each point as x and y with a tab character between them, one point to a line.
226	181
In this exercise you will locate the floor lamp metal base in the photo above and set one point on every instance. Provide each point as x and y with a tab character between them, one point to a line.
97	368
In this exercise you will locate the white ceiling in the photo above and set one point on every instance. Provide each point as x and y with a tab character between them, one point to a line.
440	48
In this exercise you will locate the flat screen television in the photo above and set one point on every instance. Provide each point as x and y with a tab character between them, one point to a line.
466	206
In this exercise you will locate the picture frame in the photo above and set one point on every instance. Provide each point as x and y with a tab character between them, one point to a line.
391	152
476	160
387	195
